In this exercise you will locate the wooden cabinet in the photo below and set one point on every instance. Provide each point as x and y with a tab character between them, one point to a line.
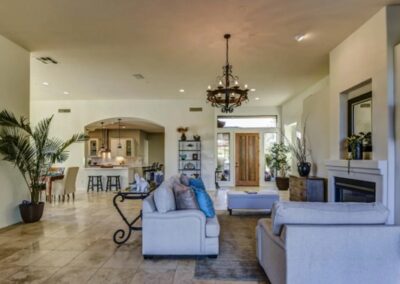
307	189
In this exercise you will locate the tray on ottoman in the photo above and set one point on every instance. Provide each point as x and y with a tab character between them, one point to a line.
263	199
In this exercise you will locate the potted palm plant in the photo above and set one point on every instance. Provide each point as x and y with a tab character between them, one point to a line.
32	152
299	150
280	163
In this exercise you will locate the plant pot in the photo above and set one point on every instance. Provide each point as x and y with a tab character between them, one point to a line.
304	169
282	183
31	213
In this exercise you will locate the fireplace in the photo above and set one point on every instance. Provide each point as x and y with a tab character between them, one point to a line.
352	190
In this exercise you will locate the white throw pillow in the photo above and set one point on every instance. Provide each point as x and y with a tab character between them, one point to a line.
164	198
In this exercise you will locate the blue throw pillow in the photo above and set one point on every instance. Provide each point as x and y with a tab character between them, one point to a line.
204	201
197	182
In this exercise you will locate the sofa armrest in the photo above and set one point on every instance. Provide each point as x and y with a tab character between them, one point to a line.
174	233
342	254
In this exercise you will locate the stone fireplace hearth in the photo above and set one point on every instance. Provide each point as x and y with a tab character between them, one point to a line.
369	171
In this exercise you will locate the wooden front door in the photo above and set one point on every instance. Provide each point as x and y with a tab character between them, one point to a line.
247	159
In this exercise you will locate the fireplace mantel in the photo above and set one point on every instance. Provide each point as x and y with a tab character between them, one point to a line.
365	170
377	167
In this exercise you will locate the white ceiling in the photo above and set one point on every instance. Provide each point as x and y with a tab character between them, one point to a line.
178	44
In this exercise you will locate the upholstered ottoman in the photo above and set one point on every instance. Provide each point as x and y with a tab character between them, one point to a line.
263	199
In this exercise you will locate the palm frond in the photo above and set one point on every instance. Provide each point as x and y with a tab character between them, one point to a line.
9	119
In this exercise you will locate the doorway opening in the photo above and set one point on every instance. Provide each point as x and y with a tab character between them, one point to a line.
243	143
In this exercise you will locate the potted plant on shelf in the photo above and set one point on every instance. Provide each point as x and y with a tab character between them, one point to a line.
355	143
280	163
33	153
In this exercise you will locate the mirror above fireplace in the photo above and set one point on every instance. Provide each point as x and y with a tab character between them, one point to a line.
360	117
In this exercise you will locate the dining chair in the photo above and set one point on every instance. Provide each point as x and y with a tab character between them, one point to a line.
67	185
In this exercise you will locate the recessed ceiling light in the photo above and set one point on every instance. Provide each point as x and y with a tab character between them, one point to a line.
257	99
45	83
66	93
181	90
301	37
253	90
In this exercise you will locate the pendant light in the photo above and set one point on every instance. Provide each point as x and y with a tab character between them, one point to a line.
119	134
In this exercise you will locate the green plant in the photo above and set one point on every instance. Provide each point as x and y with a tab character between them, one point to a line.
357	139
31	150
279	158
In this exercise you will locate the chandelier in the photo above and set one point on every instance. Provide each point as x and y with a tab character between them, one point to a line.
228	94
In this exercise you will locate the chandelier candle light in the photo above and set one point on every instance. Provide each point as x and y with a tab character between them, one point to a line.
228	94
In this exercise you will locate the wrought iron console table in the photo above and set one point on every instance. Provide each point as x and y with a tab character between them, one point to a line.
121	235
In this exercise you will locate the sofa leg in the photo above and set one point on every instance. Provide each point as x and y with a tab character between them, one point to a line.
230	212
148	257
212	256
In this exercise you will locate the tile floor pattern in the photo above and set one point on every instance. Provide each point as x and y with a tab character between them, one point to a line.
73	244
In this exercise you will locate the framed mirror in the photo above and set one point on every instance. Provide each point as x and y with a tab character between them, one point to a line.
360	117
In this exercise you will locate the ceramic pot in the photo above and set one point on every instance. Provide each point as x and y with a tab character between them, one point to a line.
304	169
31	213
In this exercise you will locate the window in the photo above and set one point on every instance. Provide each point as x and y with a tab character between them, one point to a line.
247	121
269	140
223	157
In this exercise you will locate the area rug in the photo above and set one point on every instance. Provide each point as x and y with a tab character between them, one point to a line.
237	260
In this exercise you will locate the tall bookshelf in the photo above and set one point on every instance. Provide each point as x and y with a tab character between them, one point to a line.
189	157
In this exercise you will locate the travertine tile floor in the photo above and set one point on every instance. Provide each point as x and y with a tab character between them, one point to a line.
73	244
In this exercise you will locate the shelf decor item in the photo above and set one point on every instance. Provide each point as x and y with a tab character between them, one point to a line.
33	153
196	137
183	130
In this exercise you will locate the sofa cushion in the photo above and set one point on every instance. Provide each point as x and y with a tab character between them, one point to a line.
197	182
184	197
204	201
212	227
185	179
164	198
335	213
148	205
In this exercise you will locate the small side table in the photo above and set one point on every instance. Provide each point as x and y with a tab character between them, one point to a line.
121	235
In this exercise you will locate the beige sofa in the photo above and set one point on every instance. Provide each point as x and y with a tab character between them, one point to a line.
171	232
330	243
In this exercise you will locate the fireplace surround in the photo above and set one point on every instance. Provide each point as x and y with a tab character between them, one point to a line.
365	172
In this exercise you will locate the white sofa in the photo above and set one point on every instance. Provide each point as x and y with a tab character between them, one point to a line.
170	232
329	243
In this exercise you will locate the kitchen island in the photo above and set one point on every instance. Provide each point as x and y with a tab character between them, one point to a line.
126	174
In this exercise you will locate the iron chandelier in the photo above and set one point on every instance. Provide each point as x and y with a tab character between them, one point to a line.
228	94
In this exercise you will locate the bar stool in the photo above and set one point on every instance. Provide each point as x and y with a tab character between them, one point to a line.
113	181
95	182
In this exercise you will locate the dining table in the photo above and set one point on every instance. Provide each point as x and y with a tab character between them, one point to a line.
50	180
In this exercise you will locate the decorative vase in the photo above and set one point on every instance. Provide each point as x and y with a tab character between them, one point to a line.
31	213
357	151
282	183
183	136
303	168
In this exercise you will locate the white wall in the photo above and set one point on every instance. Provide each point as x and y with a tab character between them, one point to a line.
315	111
368	54
169	113
397	132
14	96
312	104
156	147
